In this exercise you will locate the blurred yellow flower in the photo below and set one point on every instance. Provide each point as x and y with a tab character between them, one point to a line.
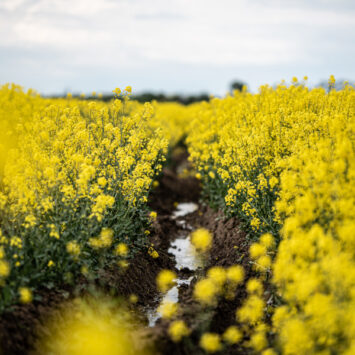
73	248
91	327
232	335
210	342
25	295
168	309
235	274
205	291
133	298
177	330
165	280
218	275
201	239
4	268
153	215
122	249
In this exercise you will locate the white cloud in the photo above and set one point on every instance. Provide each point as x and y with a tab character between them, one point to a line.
138	33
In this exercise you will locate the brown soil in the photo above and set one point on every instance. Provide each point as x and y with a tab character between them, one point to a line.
18	326
230	247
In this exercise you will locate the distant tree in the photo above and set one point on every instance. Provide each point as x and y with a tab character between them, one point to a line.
237	85
148	97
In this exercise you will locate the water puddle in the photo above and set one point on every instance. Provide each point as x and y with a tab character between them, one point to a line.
185	254
184	209
171	296
185	258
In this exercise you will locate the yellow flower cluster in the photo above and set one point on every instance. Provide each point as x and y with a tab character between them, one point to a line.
219	282
174	119
16	111
241	144
315	266
210	342
25	295
165	280
261	252
104	240
283	161
201	239
177	330
74	180
168	309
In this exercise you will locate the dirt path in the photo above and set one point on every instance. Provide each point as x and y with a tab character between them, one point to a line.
230	247
18	325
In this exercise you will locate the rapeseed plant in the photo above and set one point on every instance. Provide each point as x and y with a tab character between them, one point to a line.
283	161
210	342
165	280
177	330
75	187
201	239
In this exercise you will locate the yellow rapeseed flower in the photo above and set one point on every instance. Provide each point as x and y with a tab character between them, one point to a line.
153	215
201	239
254	286
205	291
106	237
235	274
117	91
177	330
211	174
122	249
252	310
102	181
232	335
168	309
267	240
264	261
165	280
73	248
256	250
153	253
133	298
91	327
4	268
25	295
210	342
269	352
218	275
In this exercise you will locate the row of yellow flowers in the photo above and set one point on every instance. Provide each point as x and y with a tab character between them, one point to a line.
283	161
74	179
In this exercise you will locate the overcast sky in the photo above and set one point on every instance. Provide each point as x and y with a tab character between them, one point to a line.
176	46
